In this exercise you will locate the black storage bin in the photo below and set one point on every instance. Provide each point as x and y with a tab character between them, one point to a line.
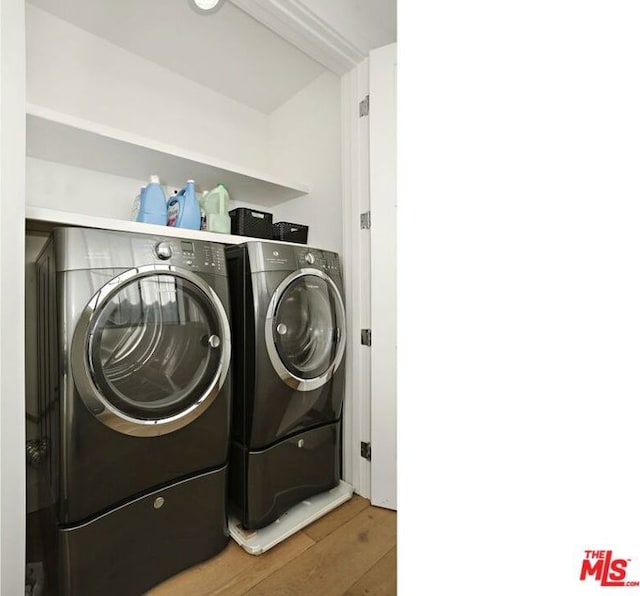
290	232
249	222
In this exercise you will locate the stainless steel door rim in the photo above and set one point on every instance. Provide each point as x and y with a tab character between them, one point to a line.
89	392
292	380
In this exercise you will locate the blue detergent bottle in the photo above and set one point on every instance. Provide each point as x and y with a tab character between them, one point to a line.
153	205
184	209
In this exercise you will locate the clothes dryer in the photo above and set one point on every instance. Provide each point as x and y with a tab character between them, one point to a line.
134	389
288	317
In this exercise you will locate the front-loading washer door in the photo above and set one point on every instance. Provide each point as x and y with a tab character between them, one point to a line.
151	350
305	329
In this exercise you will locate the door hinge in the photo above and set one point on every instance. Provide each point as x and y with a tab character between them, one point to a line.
365	450
365	337
364	107
365	220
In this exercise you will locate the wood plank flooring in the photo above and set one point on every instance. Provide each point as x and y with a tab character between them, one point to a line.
351	550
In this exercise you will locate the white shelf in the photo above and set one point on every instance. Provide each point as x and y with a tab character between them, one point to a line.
40	219
62	138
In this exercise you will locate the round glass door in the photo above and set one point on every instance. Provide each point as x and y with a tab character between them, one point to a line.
305	329
155	350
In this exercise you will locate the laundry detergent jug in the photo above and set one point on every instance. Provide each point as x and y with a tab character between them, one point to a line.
135	208
151	206
216	208
183	208
203	215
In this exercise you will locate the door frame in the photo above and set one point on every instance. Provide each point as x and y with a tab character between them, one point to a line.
357	278
12	295
383	197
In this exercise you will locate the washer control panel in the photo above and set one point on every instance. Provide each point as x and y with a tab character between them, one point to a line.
197	255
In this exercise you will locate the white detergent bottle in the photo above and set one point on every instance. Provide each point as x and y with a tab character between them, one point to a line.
135	209
216	208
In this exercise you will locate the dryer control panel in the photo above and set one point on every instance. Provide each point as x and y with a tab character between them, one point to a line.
271	256
320	259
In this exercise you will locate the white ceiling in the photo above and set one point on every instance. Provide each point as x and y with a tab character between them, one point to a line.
367	24
227	50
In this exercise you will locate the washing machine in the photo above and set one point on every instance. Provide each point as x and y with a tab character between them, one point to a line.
288	317
134	389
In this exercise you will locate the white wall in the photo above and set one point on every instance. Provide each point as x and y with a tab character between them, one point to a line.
304	144
12	435
68	188
133	94
75	72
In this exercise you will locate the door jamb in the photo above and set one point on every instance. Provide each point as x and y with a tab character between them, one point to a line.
357	276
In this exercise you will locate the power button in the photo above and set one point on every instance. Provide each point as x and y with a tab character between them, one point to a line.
309	258
163	250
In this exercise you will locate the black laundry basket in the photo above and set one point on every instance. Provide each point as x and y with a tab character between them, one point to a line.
249	222
290	232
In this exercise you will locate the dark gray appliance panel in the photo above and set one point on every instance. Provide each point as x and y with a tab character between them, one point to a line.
133	548
277	478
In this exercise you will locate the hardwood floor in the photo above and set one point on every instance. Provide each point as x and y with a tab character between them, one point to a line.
351	550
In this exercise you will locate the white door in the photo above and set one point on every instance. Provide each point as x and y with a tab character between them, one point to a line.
382	147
